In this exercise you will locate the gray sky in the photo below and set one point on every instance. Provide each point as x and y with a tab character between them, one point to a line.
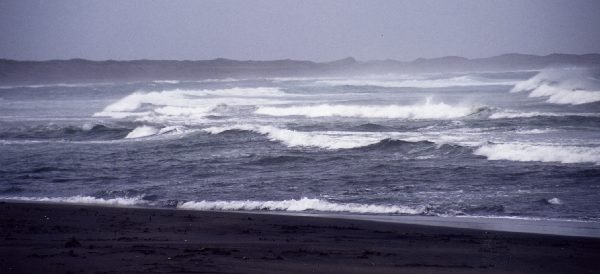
307	30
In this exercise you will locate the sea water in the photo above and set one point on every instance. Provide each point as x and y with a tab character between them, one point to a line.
521	144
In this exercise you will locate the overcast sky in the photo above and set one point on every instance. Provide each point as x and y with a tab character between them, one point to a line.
307	30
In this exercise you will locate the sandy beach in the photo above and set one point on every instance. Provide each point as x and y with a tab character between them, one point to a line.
59	238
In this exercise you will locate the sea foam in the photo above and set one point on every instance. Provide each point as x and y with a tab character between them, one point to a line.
147	131
142	131
188	103
292	138
425	110
303	204
127	201
540	153
573	86
509	114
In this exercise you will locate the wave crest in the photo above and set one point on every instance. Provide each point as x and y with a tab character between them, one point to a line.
147	131
187	103
303	204
567	86
292	138
419	82
127	201
427	110
540	153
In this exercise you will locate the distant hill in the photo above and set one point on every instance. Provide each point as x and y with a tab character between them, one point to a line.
79	70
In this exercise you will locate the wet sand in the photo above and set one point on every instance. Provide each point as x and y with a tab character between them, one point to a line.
59	238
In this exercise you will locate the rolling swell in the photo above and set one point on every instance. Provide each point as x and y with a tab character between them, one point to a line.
292	138
281	159
419	149
66	132
393	144
373	142
370	127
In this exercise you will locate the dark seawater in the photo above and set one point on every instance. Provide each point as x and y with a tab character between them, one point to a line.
519	144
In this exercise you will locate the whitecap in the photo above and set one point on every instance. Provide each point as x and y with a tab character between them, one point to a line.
562	86
292	138
119	201
142	131
555	201
303	204
425	110
509	114
419	82
187	103
540	153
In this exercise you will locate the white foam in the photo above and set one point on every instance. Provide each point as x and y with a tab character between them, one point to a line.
87	126
173	130
508	114
566	86
187	103
166	81
427	110
460	81
303	204
574	97
292	138
142	131
540	153
555	201
534	131
84	200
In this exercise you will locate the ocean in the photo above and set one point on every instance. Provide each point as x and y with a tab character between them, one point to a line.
517	144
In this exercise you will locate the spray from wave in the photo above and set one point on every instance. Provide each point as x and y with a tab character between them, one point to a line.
187	103
415	82
573	86
540	153
427	110
510	114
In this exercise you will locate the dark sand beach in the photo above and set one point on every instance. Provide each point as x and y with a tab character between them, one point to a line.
59	238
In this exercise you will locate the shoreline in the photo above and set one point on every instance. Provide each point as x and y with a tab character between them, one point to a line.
58	238
557	227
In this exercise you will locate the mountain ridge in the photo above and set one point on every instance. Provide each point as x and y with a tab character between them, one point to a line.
76	70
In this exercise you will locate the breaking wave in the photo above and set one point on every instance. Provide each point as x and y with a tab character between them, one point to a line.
554	201
459	81
427	110
187	103
142	131
540	153
147	131
129	201
292	138
508	114
303	204
411	148
567	86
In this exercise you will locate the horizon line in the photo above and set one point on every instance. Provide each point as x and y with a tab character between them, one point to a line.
294	60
